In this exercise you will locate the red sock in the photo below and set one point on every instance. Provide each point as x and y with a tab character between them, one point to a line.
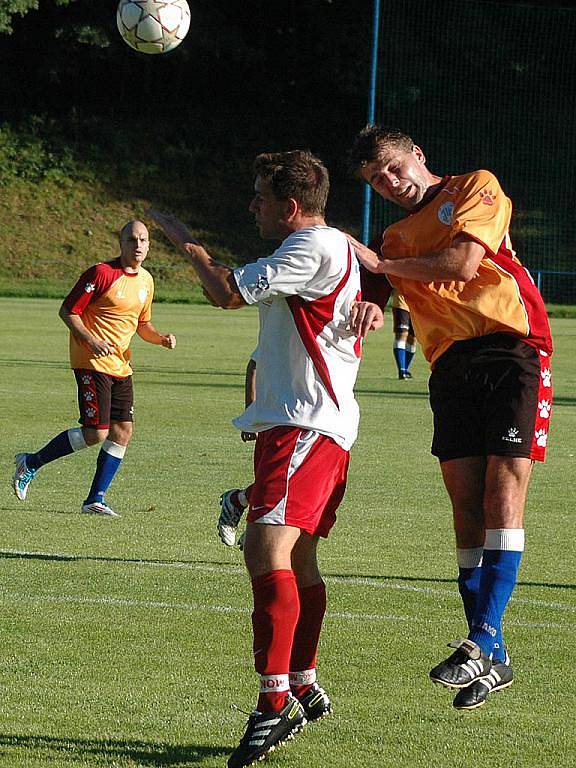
275	615
306	636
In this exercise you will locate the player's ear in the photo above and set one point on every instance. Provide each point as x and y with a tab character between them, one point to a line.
292	208
420	156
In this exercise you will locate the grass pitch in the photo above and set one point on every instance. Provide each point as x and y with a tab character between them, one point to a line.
125	642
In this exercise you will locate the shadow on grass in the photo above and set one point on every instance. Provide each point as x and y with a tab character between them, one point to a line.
142	752
62	557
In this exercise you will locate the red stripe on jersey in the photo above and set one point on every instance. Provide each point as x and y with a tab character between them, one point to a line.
542	421
538	327
310	318
92	284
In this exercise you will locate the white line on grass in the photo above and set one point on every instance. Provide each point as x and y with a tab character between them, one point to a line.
360	581
19	597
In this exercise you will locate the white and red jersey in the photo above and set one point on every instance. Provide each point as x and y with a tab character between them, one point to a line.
307	356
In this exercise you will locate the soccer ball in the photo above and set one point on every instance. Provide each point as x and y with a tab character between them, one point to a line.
153	26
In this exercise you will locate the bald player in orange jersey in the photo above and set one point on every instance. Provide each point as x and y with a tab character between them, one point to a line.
483	327
109	304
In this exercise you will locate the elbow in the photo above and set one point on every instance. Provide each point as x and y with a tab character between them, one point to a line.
231	301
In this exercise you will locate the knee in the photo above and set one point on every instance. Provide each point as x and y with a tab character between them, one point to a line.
121	432
94	436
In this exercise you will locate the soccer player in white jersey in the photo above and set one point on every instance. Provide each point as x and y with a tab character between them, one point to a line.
306	418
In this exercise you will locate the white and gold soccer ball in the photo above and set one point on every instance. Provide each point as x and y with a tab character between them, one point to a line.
153	26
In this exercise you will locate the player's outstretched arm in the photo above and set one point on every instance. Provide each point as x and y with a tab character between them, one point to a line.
148	332
217	279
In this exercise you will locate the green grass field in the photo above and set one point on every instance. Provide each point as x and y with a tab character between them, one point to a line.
126	642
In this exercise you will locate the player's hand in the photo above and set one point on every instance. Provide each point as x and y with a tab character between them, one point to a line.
370	259
364	317
248	437
100	348
173	228
169	341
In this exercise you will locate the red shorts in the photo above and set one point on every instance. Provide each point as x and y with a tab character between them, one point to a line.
103	398
299	479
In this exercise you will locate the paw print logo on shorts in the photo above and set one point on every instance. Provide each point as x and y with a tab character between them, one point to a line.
90	412
90	287
541	437
544	408
546	374
86	380
487	196
89	396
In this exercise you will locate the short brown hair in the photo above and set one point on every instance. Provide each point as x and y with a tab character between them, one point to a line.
298	174
371	143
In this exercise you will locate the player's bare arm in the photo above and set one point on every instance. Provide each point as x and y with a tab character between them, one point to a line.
217	279
457	262
76	326
148	332
365	316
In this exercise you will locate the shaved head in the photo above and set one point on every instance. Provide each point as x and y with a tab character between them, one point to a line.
129	228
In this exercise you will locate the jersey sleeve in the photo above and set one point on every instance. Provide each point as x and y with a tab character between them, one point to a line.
482	211
91	284
295	268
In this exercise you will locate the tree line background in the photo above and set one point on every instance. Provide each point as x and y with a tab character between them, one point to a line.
477	84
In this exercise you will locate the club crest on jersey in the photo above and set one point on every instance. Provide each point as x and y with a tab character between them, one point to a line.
90	287
142	294
445	212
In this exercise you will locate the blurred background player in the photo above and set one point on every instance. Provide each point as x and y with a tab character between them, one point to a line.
483	327
404	345
306	419
110	302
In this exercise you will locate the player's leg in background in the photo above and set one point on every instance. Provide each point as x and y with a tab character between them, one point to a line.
410	345
400	319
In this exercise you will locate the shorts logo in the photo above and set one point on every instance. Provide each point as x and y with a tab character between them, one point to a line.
512	436
90	412
487	196
546	374
445	212
541	438
90	287
131	410
544	408
89	396
87	379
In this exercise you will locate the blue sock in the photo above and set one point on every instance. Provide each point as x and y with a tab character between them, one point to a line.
410	350
400	356
501	559
63	444
107	464
469	572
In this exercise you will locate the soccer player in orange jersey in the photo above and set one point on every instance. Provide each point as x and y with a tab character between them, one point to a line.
483	327
109	304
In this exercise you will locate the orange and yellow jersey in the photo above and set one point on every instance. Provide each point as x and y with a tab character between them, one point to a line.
111	303
501	297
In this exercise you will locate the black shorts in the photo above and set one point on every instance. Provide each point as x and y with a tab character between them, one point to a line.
402	321
103	398
491	396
